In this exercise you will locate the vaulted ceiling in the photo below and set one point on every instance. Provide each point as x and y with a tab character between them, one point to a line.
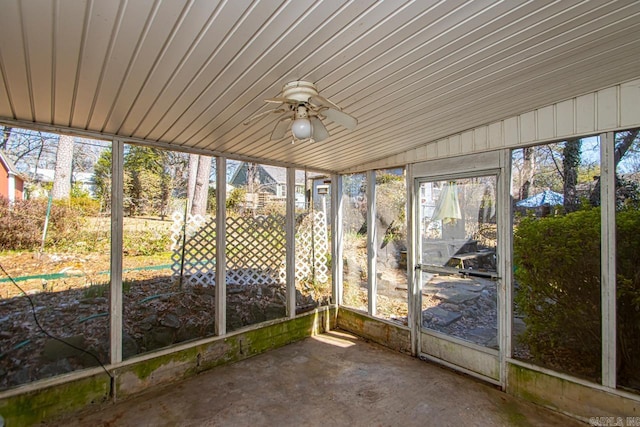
190	72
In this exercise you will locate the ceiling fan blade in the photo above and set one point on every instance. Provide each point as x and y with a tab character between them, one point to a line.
281	101
341	118
323	102
319	131
280	129
260	115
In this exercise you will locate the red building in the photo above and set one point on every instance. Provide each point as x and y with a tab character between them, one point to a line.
11	183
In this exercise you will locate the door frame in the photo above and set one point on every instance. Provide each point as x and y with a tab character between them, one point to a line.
496	163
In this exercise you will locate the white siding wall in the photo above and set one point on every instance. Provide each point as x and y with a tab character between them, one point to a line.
610	109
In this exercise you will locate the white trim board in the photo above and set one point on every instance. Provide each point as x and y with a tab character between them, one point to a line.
610	109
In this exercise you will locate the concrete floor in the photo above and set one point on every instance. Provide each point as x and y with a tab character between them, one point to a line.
334	379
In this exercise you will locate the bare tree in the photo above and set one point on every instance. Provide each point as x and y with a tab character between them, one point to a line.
191	180
64	161
6	134
623	144
201	189
528	171
28	148
570	163
253	177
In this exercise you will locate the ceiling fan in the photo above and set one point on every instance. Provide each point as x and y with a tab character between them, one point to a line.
302	110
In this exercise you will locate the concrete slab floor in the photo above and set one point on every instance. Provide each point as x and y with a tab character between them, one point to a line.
333	379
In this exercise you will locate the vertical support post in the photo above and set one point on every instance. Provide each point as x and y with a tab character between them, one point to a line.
504	265
336	238
608	257
414	283
221	235
117	215
290	234
372	282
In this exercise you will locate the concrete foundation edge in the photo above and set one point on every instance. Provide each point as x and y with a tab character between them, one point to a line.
384	333
569	397
53	398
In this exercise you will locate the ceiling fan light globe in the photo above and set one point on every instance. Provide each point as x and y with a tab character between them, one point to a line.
301	128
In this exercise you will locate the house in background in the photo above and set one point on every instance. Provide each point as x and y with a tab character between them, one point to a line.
270	184
267	179
83	181
11	182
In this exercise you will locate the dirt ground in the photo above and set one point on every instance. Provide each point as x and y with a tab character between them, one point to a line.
70	297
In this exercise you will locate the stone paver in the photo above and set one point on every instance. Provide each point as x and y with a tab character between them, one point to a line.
456	295
440	316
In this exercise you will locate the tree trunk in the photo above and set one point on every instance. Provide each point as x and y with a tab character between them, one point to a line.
528	169
621	148
570	162
166	187
201	189
6	134
62	177
191	180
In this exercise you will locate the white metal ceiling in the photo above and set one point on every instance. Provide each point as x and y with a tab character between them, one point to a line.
189	72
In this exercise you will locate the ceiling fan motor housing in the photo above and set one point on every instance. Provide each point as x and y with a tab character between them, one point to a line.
302	111
299	90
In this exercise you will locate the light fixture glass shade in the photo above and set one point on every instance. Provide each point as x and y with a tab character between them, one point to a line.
301	128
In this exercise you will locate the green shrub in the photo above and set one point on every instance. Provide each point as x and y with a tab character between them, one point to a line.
558	290
628	294
235	199
101	290
145	243
212	201
391	209
85	205
65	224
78	191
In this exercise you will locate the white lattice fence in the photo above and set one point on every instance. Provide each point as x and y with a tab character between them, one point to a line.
255	249
196	259
312	248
